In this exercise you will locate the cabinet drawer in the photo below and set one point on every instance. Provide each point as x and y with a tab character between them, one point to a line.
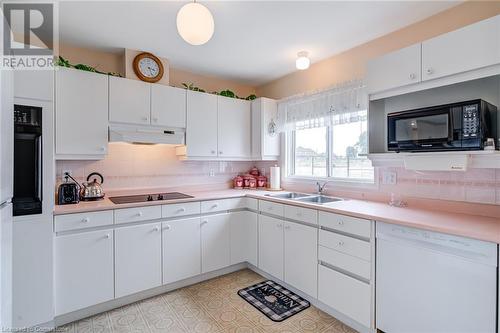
182	209
301	214
347	224
270	207
223	204
344	244
137	214
82	220
346	262
345	294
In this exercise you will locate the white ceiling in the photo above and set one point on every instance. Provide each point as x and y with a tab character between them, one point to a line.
254	41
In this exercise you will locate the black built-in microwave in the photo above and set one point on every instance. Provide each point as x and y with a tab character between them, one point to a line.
456	126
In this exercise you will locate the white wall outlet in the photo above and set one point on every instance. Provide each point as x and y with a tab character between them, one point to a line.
64	173
389	178
211	173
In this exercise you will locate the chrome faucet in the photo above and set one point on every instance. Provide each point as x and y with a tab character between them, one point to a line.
321	188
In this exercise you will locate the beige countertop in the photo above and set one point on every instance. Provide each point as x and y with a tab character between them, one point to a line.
473	226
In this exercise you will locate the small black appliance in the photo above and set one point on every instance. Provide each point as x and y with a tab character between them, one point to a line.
68	192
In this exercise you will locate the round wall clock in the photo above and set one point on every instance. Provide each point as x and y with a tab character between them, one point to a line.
148	67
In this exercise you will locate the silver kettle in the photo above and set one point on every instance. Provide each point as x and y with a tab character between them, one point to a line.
92	190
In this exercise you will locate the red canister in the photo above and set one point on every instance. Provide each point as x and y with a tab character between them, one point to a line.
253	183
246	180
262	182
238	182
254	172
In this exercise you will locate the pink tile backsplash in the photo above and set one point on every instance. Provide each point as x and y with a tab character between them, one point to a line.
129	166
474	185
132	166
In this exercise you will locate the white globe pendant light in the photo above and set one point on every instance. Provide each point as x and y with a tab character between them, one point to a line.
195	23
302	61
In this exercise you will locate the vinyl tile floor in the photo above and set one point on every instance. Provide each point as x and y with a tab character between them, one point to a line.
209	306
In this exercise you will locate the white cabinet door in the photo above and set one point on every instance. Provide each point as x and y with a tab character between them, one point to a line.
201	124
301	257
83	270
181	249
468	48
129	101
168	106
137	258
395	69
271	245
234	129
244	237
81	113
35	84
215	242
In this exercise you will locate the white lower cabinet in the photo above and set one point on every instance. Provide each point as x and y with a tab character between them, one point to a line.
181	249
345	294
244	237
215	242
83	270
271	248
137	258
301	257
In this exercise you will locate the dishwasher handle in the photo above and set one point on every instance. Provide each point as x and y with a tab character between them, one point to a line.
466	248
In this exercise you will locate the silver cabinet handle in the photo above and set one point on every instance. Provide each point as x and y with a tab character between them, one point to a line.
287	227
341	222
429	71
204	222
157	228
412	76
107	236
182	210
139	214
220	152
279	225
155	119
144	118
86	220
215	205
167	227
102	148
341	243
213	152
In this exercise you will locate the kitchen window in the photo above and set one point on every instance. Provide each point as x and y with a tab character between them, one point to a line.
327	137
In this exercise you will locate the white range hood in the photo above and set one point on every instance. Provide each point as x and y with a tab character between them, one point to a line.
146	134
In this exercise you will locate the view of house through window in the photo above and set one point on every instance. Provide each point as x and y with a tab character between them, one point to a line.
338	150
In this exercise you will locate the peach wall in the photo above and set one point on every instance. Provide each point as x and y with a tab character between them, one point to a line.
114	62
351	64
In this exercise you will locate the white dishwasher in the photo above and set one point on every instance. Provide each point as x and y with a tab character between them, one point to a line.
428	282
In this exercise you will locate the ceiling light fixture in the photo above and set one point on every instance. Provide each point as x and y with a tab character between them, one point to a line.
195	23
302	61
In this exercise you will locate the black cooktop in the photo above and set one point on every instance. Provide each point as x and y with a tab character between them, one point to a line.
149	197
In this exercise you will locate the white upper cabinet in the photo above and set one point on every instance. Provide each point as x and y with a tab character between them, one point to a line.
201	125
468	48
81	114
234	127
168	106
265	136
395	69
129	101
34	84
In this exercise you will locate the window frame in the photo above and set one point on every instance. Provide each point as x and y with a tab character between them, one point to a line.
288	166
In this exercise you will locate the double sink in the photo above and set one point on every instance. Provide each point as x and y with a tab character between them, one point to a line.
302	197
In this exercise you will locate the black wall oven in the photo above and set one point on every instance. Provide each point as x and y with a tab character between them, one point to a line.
27	198
457	126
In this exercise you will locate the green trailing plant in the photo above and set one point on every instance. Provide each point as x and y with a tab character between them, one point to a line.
225	93
61	62
190	86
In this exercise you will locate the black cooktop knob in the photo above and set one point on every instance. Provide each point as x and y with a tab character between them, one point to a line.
150	198
160	197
